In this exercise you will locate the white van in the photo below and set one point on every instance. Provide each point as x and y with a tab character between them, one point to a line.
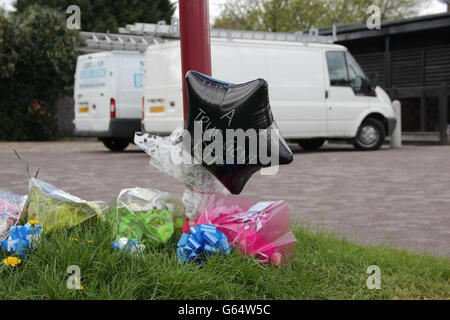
316	91
108	97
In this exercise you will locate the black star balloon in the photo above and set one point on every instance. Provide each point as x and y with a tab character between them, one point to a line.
232	129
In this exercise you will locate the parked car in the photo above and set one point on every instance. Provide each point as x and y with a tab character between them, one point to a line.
108	97
317	91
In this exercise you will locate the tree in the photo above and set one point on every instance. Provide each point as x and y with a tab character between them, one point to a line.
37	64
109	15
294	15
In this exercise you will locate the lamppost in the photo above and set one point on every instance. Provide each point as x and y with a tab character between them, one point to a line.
195	40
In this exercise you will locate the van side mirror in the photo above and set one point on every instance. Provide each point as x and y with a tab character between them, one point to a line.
373	81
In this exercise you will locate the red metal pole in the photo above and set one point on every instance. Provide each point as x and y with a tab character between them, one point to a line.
195	42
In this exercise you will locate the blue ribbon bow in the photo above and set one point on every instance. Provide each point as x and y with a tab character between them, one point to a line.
20	238
203	238
128	245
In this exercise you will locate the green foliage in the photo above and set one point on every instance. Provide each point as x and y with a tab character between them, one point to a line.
325	267
37	64
294	15
104	15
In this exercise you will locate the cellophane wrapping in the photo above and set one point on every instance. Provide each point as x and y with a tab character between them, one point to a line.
148	215
56	209
165	154
11	206
258	229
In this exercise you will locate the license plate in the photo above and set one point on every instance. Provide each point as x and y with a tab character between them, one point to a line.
157	109
84	109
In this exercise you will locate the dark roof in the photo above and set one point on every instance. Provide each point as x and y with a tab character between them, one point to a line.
360	30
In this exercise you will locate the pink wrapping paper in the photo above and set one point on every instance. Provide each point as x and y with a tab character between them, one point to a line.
9	211
258	229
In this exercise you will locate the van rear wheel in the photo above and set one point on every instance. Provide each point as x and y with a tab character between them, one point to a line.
116	144
370	135
311	144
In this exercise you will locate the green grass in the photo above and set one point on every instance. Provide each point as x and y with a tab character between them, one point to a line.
325	267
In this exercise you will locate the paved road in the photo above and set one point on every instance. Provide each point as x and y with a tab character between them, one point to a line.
398	196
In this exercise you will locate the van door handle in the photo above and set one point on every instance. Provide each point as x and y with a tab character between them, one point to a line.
326	94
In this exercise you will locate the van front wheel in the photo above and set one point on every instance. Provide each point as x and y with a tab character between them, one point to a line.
370	135
116	144
311	144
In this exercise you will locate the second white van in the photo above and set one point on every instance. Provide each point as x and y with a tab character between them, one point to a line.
317	91
108	97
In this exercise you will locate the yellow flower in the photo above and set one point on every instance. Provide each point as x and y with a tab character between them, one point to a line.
12	261
90	241
330	251
33	222
78	281
75	239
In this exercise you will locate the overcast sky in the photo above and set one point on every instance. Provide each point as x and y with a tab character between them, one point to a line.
216	5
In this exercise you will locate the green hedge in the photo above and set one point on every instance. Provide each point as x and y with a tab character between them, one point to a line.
37	65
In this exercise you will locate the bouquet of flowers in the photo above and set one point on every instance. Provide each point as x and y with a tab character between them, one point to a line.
147	215
258	229
56	209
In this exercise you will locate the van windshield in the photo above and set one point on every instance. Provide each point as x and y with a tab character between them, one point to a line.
355	73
